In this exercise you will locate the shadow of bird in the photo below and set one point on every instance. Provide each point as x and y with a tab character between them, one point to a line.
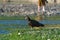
33	23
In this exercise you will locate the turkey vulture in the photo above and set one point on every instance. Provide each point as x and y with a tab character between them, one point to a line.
33	23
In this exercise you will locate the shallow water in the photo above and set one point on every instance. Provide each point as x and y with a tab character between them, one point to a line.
4	32
22	22
25	22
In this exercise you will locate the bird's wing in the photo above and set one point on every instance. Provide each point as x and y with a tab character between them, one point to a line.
35	22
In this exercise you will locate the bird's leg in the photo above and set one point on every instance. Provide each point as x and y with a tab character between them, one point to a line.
31	28
36	27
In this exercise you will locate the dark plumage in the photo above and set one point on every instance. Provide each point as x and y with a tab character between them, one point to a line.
34	23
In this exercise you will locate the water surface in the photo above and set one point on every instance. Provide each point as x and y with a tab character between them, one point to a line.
22	22
25	22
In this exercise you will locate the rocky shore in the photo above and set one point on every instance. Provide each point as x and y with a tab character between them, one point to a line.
21	9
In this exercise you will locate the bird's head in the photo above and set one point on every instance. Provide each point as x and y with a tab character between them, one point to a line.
27	18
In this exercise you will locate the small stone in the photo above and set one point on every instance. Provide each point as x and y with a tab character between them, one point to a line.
48	39
19	33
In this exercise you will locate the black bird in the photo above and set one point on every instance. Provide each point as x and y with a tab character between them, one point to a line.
33	23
